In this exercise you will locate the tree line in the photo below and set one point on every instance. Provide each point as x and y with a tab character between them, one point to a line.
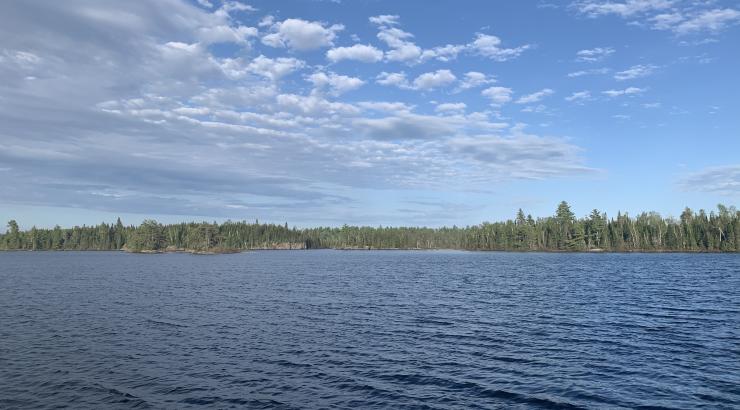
716	231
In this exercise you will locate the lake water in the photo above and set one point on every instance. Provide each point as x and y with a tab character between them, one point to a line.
369	329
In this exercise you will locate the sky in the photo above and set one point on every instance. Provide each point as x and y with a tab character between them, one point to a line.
365	112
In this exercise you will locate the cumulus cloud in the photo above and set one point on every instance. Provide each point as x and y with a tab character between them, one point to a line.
535	97
395	79
490	46
274	68
385	20
404	127
404	52
497	95
450	107
337	84
593	55
682	18
425	81
474	79
445	53
148	117
714	20
636	71
358	52
579	96
665	21
403	49
301	35
522	155
386	106
230	6
628	8
313	106
723	180
436	79
593	71
226	34
626	91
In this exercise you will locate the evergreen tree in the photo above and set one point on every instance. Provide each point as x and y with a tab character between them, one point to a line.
702	231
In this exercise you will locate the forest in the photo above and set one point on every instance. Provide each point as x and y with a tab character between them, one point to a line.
716	231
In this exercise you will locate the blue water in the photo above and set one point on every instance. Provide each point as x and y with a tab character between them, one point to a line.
369	329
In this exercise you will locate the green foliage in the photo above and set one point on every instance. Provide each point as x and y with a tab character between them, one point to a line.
693	232
148	236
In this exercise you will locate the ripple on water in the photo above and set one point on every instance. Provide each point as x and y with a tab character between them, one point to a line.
377	329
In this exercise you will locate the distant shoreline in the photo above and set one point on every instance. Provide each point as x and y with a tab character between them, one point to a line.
694	232
228	252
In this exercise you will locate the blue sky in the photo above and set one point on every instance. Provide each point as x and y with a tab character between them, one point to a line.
365	112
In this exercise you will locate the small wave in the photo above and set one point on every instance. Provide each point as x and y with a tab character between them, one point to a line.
247	403
166	323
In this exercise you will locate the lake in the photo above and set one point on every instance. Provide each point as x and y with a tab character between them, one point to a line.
369	329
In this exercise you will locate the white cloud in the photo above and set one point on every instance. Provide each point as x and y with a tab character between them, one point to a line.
394	37
473	79
192	111
628	8
182	60
497	95
314	105
229	6
626	91
666	21
723	180
522	155
404	127
301	35
425	81
680	17
443	53
579	96
247	144
385	20
274	68
405	52
403	49
710	20
636	71
384	106
490	46
450	107
593	71
226	34
535	97
593	55
24	59
337	84
539	108
395	79
358	52
267	21
436	79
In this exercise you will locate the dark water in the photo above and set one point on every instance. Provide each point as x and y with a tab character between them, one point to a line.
340	329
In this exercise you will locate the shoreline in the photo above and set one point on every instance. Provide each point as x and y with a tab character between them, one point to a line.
234	251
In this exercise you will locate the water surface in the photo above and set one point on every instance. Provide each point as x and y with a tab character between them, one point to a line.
369	329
